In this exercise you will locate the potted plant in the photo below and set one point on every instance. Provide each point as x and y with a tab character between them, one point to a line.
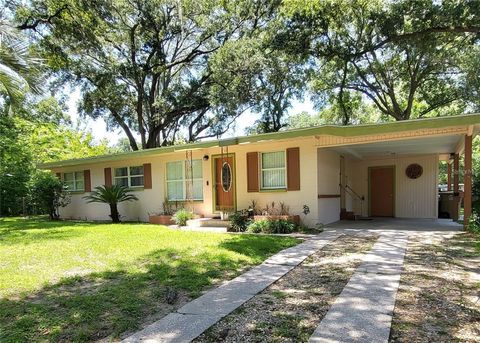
165	217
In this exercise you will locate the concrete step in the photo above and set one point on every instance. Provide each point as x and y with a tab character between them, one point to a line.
215	229
208	222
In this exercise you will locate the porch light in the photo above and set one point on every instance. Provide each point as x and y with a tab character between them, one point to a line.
205	158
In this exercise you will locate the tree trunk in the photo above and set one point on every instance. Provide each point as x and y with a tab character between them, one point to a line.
114	213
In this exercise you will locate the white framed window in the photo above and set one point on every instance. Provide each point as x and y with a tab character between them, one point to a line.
131	177
74	181
273	170
177	182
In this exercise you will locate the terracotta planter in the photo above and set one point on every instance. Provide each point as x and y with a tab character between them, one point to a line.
294	219
161	220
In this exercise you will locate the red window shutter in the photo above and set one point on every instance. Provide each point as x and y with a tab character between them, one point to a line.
87	180
147	175
108	176
252	172
293	169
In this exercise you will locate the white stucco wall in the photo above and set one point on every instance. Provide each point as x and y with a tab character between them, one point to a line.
150	200
319	172
413	198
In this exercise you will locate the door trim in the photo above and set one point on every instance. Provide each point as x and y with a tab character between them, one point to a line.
394	171
214	180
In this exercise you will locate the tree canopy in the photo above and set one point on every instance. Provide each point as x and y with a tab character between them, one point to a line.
410	58
149	66
169	70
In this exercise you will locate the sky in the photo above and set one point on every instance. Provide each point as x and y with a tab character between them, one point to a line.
99	128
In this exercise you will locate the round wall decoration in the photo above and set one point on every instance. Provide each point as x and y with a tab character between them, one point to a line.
414	171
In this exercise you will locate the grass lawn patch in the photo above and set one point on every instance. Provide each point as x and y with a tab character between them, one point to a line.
438	297
78	281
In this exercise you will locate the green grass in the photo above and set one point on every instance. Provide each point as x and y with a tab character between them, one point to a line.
78	281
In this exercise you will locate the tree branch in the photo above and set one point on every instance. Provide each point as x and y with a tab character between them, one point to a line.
28	25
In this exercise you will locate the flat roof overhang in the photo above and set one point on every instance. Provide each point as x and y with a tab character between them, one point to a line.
442	145
342	135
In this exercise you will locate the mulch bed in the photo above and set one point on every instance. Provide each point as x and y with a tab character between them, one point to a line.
438	297
291	308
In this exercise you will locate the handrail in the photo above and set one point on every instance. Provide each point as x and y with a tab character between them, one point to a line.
352	192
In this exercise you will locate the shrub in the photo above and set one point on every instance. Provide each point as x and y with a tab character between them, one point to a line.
281	226
258	226
181	216
271	226
48	194
474	223
170	207
239	221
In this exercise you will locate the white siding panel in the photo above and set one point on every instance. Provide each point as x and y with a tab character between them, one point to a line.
417	198
328	166
413	198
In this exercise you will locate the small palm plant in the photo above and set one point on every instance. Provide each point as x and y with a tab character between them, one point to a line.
111	195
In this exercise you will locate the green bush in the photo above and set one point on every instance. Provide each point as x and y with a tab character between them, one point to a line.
258	226
47	194
181	216
239	221
271	226
474	223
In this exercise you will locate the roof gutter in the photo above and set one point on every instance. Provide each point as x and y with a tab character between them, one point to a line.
332	130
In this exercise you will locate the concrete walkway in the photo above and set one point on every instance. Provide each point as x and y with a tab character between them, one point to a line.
195	317
363	311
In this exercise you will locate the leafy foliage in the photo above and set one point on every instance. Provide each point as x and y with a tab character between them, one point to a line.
181	216
20	70
271	226
47	194
15	165
24	144
239	221
406	57
146	66
111	195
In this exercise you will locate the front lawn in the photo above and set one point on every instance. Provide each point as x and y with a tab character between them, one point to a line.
77	281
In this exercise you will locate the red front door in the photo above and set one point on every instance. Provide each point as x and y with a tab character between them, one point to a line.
224	184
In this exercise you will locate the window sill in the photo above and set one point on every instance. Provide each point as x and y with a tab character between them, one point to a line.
273	190
76	192
135	189
184	201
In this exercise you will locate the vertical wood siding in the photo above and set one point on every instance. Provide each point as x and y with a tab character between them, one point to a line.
413	198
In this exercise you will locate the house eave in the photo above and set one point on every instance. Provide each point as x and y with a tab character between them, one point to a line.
331	130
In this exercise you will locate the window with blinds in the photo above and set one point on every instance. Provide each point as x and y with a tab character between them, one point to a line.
177	182
131	177
74	181
273	170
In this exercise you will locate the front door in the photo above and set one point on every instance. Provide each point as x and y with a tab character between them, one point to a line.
224	183
382	190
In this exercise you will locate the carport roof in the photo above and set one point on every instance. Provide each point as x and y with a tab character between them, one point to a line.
444	144
330	130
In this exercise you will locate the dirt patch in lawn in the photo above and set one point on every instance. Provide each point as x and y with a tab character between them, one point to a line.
438	297
291	308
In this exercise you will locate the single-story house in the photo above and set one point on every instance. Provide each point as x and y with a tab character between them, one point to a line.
389	169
